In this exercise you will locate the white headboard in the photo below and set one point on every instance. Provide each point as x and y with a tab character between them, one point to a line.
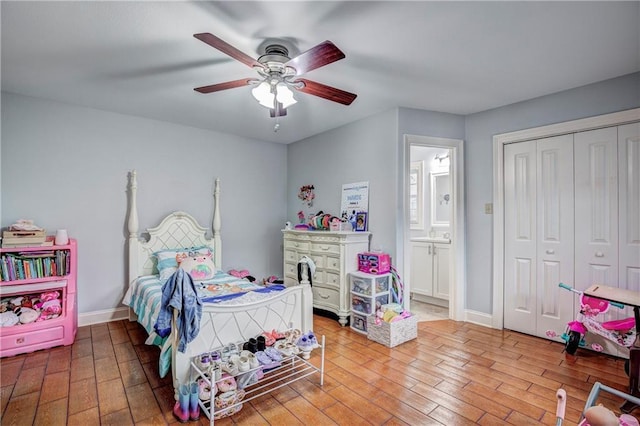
177	230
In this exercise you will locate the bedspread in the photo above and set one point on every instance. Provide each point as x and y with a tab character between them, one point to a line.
144	297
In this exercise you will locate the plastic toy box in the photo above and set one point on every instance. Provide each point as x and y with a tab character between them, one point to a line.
367	305
358	323
374	263
369	284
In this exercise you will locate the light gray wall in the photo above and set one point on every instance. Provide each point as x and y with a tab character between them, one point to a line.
310	161
601	98
367	150
360	151
66	167
88	196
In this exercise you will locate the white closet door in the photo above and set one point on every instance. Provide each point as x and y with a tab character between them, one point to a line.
555	233
539	235
629	214
596	193
596	190
520	237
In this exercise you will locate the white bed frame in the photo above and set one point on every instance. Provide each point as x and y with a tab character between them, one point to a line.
220	324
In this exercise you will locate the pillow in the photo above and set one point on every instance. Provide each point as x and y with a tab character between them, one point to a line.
199	266
167	263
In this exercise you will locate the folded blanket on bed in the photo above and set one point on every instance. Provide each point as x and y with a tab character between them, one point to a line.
179	293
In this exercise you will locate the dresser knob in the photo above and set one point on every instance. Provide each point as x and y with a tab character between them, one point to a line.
599	254
551	251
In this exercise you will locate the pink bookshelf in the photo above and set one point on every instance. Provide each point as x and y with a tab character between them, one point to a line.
48	330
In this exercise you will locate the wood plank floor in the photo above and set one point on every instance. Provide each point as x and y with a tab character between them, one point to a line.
454	374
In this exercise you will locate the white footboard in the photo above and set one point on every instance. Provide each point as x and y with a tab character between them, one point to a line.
221	325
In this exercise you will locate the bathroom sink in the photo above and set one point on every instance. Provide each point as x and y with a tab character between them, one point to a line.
432	240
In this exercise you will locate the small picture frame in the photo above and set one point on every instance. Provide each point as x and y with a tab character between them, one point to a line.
361	221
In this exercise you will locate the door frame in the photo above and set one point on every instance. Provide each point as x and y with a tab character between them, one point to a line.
457	267
573	126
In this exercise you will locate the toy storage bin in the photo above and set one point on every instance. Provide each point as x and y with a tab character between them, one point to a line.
394	333
367	305
359	322
369	284
374	263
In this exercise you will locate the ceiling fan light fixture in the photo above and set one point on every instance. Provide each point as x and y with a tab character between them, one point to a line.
284	95
262	94
280	74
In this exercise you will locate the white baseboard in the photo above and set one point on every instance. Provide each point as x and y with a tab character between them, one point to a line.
430	300
106	315
479	318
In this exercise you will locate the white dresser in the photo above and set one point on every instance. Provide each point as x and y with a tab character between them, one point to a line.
334	255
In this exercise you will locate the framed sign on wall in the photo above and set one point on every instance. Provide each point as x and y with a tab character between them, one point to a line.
355	201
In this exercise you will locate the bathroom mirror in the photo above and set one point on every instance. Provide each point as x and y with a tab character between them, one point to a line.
440	199
415	196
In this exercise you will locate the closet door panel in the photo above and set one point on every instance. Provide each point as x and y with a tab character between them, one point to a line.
596	204
555	235
520	307
629	214
596	194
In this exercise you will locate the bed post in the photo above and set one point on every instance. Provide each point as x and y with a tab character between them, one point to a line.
132	226
217	238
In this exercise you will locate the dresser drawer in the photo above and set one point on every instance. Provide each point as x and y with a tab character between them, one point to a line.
328	248
291	270
292	256
332	263
326	298
318	261
296	245
331	279
29	338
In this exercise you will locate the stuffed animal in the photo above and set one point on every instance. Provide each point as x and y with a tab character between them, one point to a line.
199	266
599	415
26	315
242	274
49	309
49	295
8	319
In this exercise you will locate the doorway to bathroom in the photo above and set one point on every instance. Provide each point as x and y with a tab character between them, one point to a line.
433	227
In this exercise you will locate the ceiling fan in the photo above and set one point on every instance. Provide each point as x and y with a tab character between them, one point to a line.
279	74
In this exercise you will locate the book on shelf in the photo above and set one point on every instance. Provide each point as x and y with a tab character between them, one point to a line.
23	265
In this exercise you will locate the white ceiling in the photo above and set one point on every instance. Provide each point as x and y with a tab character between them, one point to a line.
140	58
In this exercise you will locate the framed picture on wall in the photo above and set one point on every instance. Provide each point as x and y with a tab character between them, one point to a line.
361	221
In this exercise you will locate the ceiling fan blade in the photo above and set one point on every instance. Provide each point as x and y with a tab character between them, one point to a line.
331	93
225	47
224	86
316	57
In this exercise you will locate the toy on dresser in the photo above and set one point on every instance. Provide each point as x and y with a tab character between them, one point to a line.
30	308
